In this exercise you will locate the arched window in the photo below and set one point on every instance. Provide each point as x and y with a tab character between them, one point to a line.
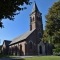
15	50
20	47
26	48
30	27
39	34
30	45
30	19
21	52
38	18
33	18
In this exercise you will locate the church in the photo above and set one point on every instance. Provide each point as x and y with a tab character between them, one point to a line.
29	43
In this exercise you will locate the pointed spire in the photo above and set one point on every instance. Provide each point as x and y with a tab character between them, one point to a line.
35	8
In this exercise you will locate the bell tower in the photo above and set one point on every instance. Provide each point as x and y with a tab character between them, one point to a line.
36	20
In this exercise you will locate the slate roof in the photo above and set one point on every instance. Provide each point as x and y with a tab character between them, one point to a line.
21	37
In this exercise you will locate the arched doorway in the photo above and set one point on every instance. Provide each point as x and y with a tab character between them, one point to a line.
15	50
40	49
21	52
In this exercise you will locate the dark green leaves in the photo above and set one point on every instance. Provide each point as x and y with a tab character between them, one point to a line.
53	23
53	19
9	8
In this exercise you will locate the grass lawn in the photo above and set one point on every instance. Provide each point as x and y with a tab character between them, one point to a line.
38	58
43	58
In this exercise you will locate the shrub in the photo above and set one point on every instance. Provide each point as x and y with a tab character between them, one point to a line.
56	51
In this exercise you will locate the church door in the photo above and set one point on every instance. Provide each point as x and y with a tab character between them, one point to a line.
40	49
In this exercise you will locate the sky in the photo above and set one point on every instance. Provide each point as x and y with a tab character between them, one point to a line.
21	23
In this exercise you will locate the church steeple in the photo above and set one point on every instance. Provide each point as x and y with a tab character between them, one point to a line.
36	21
35	8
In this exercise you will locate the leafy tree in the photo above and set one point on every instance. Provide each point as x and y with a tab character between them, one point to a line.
0	48
9	8
53	22
44	36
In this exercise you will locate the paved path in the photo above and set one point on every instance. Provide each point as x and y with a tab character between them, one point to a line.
20	57
5	59
15	57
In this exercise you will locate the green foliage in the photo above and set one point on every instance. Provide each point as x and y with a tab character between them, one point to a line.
9	8
0	47
53	19
56	37
57	50
53	23
46	37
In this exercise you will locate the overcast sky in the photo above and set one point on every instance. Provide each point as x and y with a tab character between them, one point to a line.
21	22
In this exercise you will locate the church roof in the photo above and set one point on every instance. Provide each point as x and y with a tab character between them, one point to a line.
7	42
21	37
35	8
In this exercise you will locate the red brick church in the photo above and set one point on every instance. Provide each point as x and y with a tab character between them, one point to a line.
30	42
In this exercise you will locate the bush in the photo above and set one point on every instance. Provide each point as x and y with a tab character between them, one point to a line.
56	51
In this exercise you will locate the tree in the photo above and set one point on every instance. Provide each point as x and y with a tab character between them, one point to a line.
44	36
9	8
53	22
0	48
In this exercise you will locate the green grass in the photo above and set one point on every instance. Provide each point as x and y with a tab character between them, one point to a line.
39	58
44	58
